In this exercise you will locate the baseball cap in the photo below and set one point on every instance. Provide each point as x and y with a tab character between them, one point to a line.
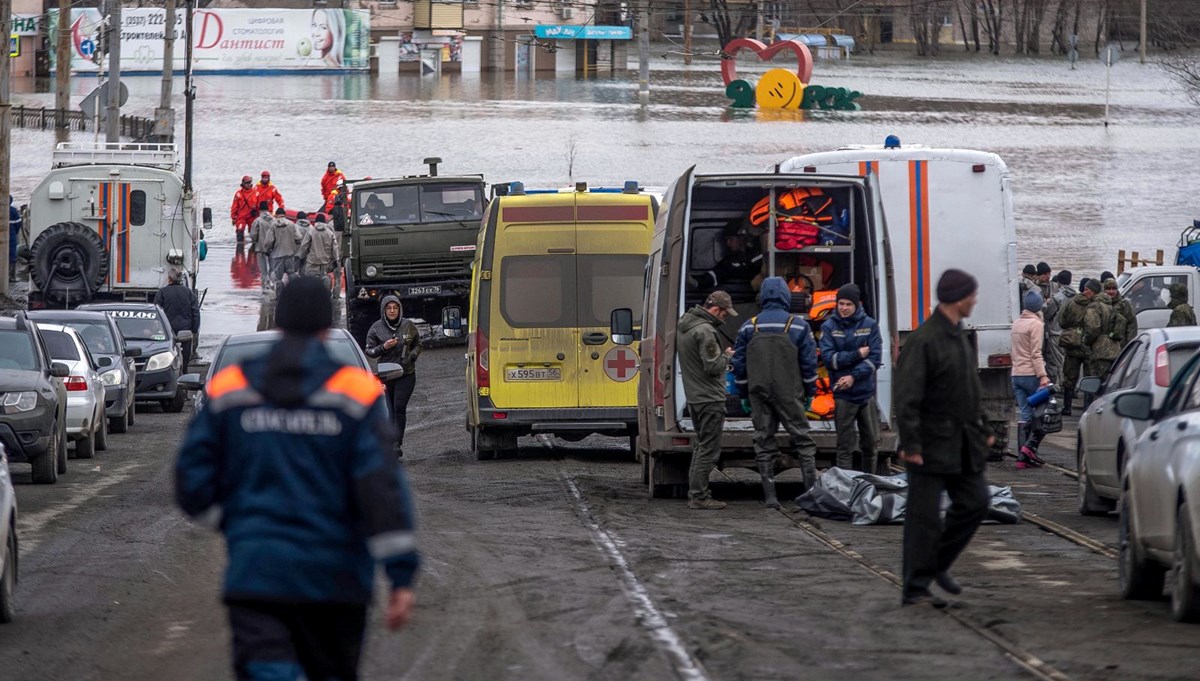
721	300
331	165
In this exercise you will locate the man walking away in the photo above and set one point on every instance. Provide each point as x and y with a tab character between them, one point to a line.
242	211
183	311
944	440
773	357
317	252
290	458
287	244
1182	313
852	351
1028	373
262	241
1072	339
1125	326
702	365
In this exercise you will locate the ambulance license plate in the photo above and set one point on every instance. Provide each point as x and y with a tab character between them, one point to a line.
533	374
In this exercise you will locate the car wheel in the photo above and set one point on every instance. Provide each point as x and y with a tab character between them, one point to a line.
1090	503
45	467
102	434
85	447
175	404
8	580
129	415
1138	578
118	424
62	453
1185	593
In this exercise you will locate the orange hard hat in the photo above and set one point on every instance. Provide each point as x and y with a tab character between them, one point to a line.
246	178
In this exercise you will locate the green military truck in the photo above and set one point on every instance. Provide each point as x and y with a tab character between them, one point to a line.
414	237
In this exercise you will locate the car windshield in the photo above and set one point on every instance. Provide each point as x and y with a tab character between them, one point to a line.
97	336
140	326
16	351
340	348
60	345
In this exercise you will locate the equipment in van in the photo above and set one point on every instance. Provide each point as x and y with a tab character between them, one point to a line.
804	217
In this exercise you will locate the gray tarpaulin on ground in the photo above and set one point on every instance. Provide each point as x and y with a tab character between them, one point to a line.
880	499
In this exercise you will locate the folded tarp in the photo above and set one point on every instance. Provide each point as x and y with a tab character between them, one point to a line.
880	499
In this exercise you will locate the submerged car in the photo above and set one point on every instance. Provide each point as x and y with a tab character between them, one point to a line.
86	425
8	543
145	326
33	404
115	360
1104	440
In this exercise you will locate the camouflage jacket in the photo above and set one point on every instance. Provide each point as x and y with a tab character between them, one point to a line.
1098	329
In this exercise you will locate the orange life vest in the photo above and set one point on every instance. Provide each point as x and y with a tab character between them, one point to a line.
798	214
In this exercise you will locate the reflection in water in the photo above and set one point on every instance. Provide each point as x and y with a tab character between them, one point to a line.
243	269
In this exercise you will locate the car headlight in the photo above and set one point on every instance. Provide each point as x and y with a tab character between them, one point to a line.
372	270
162	360
114	377
15	403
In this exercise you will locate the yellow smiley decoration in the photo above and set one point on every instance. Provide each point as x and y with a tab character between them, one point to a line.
779	89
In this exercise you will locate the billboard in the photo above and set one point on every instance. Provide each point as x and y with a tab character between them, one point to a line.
230	40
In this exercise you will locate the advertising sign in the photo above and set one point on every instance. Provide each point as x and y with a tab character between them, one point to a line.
230	40
569	32
25	24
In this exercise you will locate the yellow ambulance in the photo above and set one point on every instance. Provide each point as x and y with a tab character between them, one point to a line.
556	300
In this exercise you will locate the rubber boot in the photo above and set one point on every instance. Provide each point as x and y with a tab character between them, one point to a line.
810	477
1022	434
1068	398
871	463
767	472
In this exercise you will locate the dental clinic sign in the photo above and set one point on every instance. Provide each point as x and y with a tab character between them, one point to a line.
230	40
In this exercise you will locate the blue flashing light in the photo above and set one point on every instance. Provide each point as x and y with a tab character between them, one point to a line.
516	188
892	142
631	186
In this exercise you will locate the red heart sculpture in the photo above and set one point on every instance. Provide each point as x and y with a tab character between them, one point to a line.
804	58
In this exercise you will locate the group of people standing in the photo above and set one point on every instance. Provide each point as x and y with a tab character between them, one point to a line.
248	200
286	249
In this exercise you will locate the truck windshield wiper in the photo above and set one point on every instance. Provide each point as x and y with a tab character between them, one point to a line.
451	216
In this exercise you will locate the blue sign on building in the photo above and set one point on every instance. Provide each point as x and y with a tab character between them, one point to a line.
568	32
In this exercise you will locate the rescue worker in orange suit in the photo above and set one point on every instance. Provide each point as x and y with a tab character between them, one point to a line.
244	209
329	182
267	191
331	199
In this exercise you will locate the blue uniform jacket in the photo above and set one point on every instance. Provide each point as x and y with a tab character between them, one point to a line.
309	498
840	343
776	311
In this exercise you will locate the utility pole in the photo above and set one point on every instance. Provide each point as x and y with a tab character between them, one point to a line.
758	25
189	97
687	32
5	144
644	52
1142	42
62	73
164	116
113	134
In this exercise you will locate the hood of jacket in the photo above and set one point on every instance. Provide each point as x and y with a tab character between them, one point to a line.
695	317
303	223
1084	300
383	304
775	294
1179	294
851	321
319	226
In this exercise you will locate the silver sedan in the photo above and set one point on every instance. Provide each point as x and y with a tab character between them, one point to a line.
8	542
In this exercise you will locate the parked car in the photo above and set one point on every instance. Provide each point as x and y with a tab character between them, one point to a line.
86	425
9	551
113	357
1160	500
1147	364
33	405
241	347
145	326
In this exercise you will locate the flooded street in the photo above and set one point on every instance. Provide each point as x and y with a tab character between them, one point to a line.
1081	191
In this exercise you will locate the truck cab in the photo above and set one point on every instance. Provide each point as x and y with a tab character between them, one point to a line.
1148	290
107	223
413	237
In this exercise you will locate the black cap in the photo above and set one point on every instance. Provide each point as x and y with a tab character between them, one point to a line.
331	165
1063	277
304	307
263	205
301	215
280	211
1106	275
1092	285
850	292
1043	268
1029	270
320	217
956	285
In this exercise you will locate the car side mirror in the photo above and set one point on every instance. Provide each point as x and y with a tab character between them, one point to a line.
191	382
389	371
452	326
1089	385
621	326
339	217
206	217
103	361
184	336
132	352
1136	406
59	370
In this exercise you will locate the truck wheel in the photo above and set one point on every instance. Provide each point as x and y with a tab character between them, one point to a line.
8	579
68	262
45	467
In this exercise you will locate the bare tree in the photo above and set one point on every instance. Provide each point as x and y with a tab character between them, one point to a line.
1187	72
571	152
729	23
926	19
993	23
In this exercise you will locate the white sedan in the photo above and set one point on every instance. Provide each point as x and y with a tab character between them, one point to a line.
1160	500
87	426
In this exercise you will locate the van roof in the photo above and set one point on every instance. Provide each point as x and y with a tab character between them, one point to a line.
877	152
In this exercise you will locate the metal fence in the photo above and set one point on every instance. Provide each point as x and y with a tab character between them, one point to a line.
133	127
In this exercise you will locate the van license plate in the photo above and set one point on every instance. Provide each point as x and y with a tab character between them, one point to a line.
424	290
533	374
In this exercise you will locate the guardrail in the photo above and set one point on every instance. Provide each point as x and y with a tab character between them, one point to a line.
133	127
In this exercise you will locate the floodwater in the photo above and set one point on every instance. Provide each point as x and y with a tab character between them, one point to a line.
1081	190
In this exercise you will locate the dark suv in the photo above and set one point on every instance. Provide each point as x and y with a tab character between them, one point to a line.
33	402
145	326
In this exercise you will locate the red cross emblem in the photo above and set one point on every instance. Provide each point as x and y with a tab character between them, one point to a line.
620	364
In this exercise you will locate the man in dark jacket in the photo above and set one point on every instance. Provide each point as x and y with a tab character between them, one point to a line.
1182	314
396	339
289	457
944	440
775	368
182	308
702	364
852	351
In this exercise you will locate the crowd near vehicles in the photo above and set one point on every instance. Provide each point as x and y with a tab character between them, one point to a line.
160	363
86	426
891	223
556	291
413	237
107	222
9	549
33	402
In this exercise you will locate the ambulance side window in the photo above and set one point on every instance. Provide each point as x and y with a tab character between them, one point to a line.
137	208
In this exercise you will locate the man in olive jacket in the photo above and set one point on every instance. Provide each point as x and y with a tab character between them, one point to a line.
944	440
703	364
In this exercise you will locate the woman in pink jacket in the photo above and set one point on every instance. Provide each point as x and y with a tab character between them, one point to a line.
1028	373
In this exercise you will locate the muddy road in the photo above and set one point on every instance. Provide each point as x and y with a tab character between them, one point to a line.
555	565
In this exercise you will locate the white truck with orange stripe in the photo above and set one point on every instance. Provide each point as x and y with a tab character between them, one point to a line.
107	223
908	214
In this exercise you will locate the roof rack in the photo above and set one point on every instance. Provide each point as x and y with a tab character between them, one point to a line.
154	155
